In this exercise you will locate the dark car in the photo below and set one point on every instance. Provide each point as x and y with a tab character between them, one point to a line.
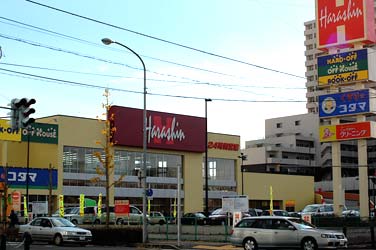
194	219
220	217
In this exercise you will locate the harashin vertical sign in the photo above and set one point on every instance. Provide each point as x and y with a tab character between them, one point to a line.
342	23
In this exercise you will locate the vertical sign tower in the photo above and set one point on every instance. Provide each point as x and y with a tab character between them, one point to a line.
344	29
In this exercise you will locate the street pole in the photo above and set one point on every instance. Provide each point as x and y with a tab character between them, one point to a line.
243	158
206	159
28	167
108	41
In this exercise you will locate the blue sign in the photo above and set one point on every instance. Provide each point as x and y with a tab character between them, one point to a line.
38	178
149	192
344	103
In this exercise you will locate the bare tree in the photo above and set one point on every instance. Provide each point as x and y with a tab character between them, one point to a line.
106	167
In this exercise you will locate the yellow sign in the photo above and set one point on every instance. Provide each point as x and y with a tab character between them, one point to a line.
61	205
327	133
25	208
7	133
100	205
82	204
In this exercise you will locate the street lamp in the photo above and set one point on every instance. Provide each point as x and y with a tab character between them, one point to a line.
206	158
108	41
243	158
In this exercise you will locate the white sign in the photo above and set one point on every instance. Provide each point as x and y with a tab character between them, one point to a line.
307	217
39	207
235	203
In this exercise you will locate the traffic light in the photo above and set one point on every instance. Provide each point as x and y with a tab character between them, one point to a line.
20	111
25	111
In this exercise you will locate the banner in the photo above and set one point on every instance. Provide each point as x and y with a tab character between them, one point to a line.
61	205
100	205
82	204
271	200
25	207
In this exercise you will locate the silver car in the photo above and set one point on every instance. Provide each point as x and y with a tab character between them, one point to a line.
280	232
56	230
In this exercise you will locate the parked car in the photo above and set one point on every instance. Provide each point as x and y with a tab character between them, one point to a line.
282	232
135	216
157	218
90	216
254	212
276	212
220	217
197	218
55	229
320	210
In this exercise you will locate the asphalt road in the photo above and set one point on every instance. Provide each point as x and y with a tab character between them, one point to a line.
202	246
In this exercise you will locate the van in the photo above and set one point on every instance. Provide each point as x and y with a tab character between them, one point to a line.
90	216
135	217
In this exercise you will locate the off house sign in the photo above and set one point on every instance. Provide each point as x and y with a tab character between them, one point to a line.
164	130
341	23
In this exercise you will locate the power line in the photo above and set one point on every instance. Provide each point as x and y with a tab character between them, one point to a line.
192	81
166	41
74	83
54	33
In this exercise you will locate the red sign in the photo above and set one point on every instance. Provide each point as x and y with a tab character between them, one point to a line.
353	130
122	207
163	130
223	146
341	23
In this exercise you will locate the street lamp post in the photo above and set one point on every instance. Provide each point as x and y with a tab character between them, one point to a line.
243	158
108	41
206	159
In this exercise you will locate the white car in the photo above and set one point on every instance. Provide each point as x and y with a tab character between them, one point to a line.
55	229
283	232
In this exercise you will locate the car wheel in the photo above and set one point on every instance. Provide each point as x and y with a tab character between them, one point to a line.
58	240
161	222
119	221
250	244
75	222
309	244
97	222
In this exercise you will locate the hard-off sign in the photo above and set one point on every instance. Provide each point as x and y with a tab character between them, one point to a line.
342	23
346	68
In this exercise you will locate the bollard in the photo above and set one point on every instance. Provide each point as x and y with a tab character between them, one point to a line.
27	242
3	243
373	236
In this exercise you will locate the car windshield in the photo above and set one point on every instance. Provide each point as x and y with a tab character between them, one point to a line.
200	215
310	208
61	222
301	224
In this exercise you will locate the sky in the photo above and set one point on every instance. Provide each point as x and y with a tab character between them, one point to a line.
245	55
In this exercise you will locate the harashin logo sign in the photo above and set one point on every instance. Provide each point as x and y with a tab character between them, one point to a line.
168	132
342	15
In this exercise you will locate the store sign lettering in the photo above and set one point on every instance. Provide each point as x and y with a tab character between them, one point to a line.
343	23
223	146
167	130
21	176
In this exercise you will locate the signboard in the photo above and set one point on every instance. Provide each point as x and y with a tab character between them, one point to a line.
39	132
164	130
16	200
38	178
223	146
346	67
121	207
347	131
341	23
307	218
346	103
39	207
235	203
